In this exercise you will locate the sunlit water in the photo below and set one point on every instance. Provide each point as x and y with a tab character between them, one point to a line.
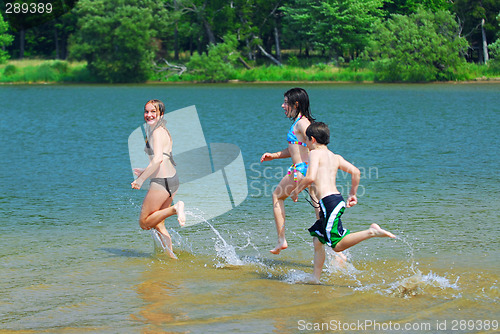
73	258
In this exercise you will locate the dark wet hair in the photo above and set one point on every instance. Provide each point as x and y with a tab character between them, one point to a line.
159	106
299	95
319	131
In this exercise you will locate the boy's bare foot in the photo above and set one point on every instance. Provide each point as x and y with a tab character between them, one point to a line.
341	256
313	280
179	210
340	259
281	245
377	231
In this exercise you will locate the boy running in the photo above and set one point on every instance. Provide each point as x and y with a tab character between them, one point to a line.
321	175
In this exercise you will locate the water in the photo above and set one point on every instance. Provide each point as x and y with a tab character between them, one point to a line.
73	258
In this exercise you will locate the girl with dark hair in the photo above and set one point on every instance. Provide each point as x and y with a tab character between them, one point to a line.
296	106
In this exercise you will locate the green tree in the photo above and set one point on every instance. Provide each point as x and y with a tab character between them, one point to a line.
246	12
23	21
207	20
495	47
218	64
267	19
299	24
5	40
338	27
407	7
49	40
424	46
470	15
115	37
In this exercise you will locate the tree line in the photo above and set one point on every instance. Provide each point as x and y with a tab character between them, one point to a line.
128	40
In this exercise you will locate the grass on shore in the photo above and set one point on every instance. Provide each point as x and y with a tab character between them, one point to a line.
41	71
44	71
272	73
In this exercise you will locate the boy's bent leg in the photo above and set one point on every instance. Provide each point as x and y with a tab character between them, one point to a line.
354	238
319	258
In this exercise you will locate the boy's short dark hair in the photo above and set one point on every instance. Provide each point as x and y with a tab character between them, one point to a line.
319	131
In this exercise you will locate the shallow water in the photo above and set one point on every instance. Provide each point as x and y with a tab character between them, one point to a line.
73	258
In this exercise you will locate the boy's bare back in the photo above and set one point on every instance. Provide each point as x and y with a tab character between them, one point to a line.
327	165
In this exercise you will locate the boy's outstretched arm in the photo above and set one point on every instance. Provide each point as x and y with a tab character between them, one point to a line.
346	166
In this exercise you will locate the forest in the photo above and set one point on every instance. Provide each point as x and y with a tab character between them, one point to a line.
120	41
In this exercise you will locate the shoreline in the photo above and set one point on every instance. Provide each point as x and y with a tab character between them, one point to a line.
495	80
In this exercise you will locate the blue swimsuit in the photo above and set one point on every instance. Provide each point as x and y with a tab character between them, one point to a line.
292	139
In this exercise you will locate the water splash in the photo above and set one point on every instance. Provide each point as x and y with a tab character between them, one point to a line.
225	251
338	262
249	244
410	252
178	241
419	284
295	276
160	244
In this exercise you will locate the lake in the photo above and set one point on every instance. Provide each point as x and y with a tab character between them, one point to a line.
73	258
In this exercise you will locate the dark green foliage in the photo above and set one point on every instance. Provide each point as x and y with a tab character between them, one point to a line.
5	40
337	27
115	37
218	64
120	39
407	7
9	70
470	13
424	46
31	13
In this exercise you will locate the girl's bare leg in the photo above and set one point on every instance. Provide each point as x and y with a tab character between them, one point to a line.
156	208
282	191
165	240
179	210
165	236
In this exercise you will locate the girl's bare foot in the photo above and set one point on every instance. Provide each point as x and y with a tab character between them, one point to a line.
377	231
166	242
179	210
281	245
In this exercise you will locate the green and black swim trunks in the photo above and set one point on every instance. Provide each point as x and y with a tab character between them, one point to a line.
328	229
